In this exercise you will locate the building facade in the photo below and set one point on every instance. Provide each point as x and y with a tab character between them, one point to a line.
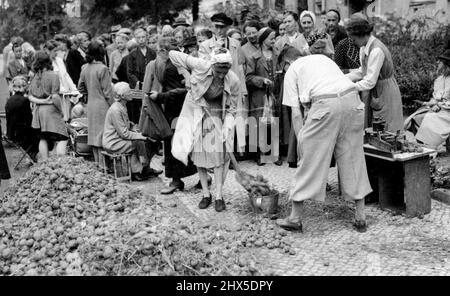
404	8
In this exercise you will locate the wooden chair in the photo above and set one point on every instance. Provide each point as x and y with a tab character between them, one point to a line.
119	162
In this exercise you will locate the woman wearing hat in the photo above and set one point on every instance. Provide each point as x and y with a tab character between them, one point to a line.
435	127
206	122
376	75
260	77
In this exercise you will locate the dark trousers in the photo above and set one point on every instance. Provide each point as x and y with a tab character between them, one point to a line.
134	110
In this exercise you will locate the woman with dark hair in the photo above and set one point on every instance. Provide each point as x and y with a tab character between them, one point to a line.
376	75
260	78
48	115
95	82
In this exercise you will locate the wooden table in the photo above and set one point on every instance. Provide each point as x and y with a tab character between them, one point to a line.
400	183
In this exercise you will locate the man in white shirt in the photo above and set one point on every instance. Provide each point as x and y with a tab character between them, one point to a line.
334	124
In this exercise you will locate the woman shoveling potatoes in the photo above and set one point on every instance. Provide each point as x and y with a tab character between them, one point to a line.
206	122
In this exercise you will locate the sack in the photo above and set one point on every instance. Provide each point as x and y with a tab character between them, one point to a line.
155	124
268	117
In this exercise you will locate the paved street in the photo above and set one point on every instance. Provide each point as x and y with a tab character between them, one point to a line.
393	244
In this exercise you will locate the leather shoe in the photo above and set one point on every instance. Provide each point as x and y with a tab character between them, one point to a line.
138	177
219	205
259	162
290	226
148	171
172	188
360	226
279	162
205	202
199	184
293	165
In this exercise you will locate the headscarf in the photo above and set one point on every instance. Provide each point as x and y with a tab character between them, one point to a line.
263	34
221	56
310	14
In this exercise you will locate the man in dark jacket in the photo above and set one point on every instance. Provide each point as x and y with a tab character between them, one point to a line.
136	63
72	58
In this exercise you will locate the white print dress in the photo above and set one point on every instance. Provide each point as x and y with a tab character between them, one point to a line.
435	127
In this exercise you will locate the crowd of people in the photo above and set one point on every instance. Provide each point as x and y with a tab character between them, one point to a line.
264	91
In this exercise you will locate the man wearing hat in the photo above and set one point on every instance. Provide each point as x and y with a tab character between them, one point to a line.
221	23
180	21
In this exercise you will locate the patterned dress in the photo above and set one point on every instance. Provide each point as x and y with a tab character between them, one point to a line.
209	150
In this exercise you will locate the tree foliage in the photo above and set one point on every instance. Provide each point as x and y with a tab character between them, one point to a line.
34	20
128	11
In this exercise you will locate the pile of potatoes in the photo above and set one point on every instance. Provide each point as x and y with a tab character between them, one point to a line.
65	217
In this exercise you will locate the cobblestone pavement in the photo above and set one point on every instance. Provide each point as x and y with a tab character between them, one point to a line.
393	244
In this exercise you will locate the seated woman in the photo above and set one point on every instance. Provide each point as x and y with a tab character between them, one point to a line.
121	136
435	127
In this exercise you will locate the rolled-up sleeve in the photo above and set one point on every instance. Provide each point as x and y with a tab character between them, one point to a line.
374	64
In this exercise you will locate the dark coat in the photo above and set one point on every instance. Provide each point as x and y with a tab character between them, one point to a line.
136	64
74	61
121	71
172	96
257	69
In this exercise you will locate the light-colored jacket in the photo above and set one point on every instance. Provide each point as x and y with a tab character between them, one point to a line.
117	134
189	125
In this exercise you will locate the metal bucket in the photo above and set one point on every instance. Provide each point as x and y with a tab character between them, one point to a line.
265	204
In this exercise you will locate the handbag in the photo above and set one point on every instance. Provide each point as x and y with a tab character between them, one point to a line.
268	117
155	124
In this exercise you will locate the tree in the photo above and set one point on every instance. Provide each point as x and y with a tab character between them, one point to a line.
34	20
154	10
